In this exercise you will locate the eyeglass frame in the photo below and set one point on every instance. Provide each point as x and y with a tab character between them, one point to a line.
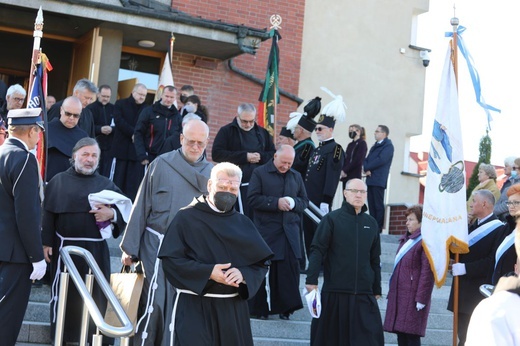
355	191
72	115
513	204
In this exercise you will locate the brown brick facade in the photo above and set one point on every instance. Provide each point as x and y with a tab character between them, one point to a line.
397	224
221	89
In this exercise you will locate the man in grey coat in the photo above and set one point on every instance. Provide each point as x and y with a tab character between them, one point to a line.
171	182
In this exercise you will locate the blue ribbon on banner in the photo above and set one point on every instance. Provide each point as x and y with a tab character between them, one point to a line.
473	73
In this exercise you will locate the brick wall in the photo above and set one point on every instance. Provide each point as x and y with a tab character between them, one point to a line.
397	224
222	90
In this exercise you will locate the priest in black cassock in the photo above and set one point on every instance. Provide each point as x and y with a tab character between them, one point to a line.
216	259
63	134
68	219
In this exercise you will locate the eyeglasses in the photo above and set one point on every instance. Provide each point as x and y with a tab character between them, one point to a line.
69	114
226	182
318	129
356	191
512	204
192	143
246	122
18	99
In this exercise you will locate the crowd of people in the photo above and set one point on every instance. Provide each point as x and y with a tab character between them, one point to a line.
224	242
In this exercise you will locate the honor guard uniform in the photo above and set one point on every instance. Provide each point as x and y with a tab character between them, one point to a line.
324	168
301	126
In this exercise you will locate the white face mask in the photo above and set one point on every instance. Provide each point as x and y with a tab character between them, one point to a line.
190	108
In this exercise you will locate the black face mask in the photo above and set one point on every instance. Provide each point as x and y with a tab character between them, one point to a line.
352	134
224	201
184	98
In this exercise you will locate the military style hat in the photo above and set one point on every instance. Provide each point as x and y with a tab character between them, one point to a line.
286	132
305	120
333	111
25	116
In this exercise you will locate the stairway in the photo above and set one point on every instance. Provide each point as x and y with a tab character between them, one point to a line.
272	332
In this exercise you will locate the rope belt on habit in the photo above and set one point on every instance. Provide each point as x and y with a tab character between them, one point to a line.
151	290
207	295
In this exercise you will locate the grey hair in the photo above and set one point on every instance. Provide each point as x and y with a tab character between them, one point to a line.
347	185
84	142
139	85
489	170
190	116
85	84
229	168
509	161
16	88
486	195
246	107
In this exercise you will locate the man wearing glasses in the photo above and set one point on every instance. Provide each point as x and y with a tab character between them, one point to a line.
245	144
347	244
86	92
171	182
322	178
14	100
63	134
512	177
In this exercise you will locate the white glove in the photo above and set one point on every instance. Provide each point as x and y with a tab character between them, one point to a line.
458	269
419	306
39	270
324	207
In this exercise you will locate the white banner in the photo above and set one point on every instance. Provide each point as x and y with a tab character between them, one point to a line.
444	223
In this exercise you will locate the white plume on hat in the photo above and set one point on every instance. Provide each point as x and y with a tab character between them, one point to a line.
294	118
335	108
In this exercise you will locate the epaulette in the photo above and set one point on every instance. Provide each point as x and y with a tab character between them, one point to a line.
337	153
306	152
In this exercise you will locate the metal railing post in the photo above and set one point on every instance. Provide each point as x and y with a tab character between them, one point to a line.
60	314
90	308
89	282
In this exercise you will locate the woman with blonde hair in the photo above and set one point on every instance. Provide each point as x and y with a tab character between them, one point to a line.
487	177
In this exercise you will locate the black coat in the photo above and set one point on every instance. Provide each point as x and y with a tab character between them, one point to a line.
321	181
378	162
302	153
277	227
103	116
479	263
126	113
155	124
20	208
354	157
228	146
507	261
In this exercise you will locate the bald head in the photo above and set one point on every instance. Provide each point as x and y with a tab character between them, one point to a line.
284	158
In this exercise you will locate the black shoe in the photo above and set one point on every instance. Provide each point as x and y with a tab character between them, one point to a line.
284	317
258	317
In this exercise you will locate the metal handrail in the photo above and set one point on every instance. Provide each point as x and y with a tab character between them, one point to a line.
97	317
314	213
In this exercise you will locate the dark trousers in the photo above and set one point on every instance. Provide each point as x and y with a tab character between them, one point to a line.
128	176
462	330
408	339
309	228
15	288
376	204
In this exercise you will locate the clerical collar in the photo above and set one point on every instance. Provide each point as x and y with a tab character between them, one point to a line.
484	219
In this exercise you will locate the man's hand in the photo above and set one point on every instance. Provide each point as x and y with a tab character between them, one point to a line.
283	204
311	287
38	270
47	253
234	277
102	213
368	173
253	157
218	274
106	130
342	175
126	259
145	162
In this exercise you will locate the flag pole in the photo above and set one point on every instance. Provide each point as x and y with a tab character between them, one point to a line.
172	43
35	60
454	56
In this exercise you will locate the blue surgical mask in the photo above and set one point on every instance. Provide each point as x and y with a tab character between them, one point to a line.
514	173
